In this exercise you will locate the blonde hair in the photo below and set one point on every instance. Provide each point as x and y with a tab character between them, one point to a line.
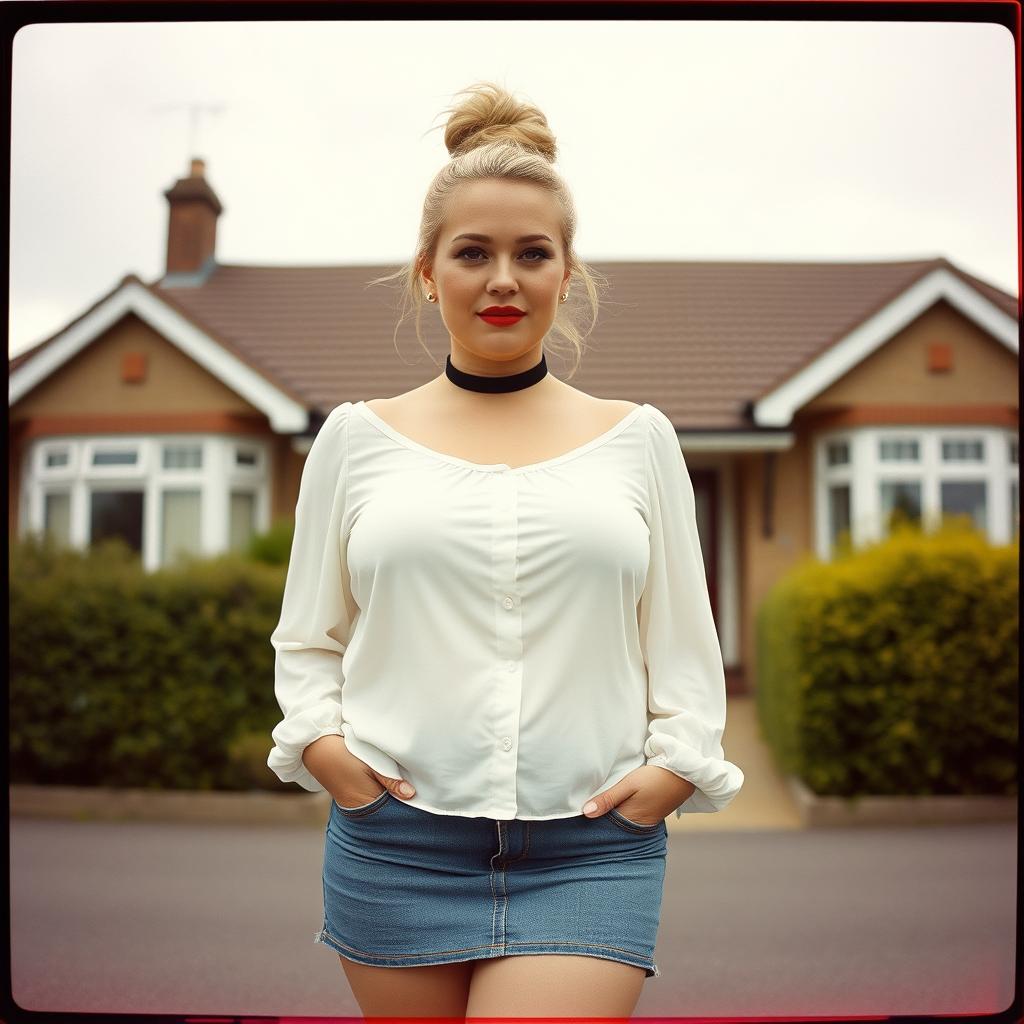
493	135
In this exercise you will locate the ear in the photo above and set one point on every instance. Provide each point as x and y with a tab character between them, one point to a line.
426	279
565	280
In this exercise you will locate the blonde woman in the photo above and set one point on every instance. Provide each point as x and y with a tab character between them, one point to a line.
496	598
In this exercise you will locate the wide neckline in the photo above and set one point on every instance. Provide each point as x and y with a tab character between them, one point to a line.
498	467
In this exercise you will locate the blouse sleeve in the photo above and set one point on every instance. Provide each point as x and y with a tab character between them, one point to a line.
312	633
686	676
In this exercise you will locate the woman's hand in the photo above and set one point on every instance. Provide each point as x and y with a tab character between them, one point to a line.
350	781
646	795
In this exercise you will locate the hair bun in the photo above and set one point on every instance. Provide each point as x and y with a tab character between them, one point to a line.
492	114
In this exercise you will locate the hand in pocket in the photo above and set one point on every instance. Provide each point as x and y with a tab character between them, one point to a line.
359	784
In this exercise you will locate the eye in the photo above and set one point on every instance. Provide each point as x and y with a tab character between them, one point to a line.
541	253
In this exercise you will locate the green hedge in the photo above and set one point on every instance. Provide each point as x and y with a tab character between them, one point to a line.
120	677
274	546
893	669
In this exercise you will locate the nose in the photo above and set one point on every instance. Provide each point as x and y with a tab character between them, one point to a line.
502	280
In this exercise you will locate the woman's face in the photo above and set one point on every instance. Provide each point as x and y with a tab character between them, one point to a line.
516	259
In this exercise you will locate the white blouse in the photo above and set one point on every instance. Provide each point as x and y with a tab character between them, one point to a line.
512	641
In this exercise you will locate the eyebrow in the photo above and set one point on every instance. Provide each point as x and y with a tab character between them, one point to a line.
487	238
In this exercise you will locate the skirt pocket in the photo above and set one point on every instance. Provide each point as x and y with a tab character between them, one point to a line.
633	826
362	809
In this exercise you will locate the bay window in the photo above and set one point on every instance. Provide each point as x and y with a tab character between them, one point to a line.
866	477
165	496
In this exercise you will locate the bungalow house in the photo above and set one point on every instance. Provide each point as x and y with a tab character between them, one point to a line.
809	398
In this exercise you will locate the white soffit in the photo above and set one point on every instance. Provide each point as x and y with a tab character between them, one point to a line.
777	409
286	416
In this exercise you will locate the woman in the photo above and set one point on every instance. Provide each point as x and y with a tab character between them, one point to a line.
496	598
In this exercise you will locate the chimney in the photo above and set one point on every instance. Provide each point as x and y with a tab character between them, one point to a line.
192	222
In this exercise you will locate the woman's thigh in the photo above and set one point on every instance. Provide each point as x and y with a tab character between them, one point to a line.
440	990
554	984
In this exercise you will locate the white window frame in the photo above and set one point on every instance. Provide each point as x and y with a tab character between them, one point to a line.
249	479
120	444
247	448
182	445
866	470
55	472
215	480
245	488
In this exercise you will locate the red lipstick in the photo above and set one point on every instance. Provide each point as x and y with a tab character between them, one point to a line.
501	316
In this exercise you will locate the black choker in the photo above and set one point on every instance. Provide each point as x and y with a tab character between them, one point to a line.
494	385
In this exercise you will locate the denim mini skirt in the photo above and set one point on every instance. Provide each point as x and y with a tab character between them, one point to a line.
404	887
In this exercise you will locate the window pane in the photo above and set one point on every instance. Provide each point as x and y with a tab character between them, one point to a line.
57	517
965	497
838	453
900	499
179	527
898	451
1013	450
243	520
183	456
114	458
244	458
838	512
116	514
56	459
1014	509
962	451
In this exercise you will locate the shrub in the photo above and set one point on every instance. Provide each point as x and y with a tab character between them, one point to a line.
893	668
274	546
126	678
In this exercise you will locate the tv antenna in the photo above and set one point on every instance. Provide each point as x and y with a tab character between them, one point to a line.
194	110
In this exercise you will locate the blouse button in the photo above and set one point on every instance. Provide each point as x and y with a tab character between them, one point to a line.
509	602
507	742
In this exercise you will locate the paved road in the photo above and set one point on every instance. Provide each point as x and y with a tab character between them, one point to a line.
206	919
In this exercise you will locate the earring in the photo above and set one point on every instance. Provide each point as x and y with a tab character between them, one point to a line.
565	296
430	296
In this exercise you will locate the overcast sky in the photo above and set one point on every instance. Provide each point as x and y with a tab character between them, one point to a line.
680	139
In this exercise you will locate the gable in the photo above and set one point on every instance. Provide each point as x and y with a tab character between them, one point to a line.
981	369
842	356
273	399
93	380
